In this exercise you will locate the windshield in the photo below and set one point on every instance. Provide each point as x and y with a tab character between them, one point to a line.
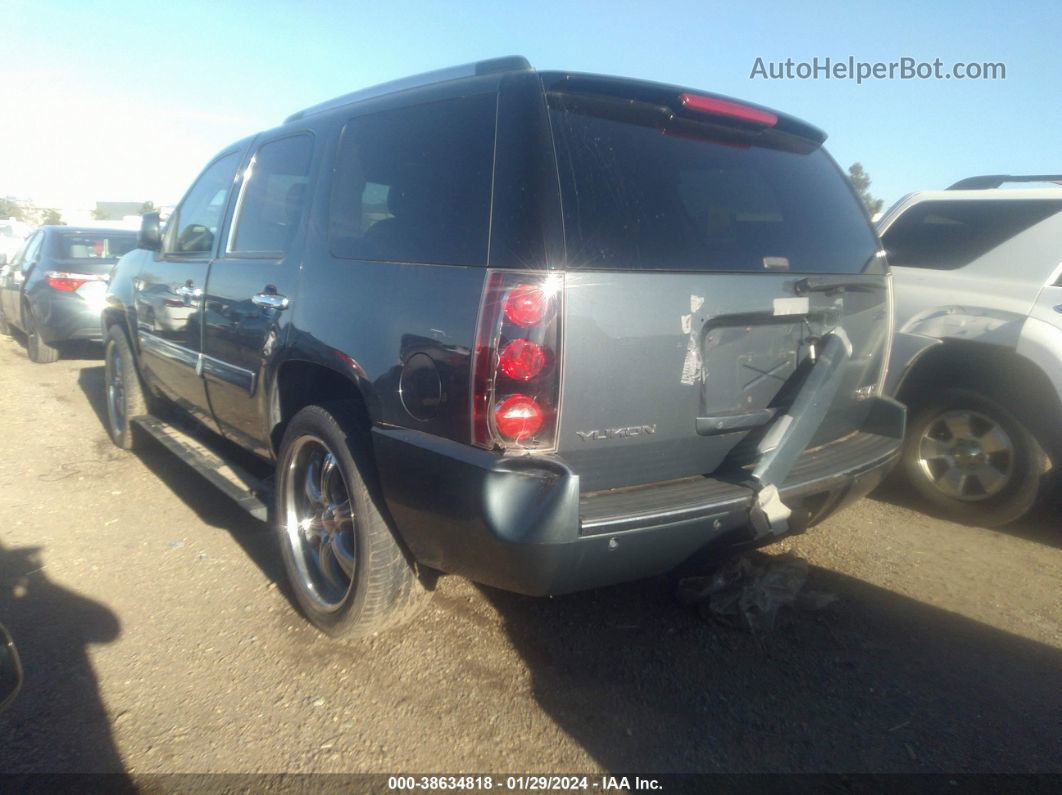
637	197
90	246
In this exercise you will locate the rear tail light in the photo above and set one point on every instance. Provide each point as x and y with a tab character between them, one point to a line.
526	305
522	360
518	417
516	365
69	282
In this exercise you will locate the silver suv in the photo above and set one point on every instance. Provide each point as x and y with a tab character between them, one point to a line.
977	356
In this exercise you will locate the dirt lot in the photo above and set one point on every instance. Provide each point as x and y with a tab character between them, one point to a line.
158	636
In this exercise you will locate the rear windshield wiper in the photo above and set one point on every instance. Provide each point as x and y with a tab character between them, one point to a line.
829	284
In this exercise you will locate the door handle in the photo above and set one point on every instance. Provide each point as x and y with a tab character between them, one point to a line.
270	301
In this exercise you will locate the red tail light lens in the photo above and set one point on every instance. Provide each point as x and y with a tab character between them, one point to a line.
522	360
518	417
517	361
526	305
731	110
69	282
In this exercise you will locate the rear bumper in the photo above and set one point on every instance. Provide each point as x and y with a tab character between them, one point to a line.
65	316
521	524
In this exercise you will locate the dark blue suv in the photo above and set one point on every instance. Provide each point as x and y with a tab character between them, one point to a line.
545	330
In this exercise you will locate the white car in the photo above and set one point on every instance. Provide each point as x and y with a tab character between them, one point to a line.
12	234
977	355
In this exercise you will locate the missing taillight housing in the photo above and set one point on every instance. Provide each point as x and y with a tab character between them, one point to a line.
516	362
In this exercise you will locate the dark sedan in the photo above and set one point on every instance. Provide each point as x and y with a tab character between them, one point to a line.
53	289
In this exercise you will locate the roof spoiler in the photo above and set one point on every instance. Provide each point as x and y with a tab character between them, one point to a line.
996	180
511	63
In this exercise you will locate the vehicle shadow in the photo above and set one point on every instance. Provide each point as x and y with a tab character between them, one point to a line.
877	682
209	504
1042	525
73	350
58	723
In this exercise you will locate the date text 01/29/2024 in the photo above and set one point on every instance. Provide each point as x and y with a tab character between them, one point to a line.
532	783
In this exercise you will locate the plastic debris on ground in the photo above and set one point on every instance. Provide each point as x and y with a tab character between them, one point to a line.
746	592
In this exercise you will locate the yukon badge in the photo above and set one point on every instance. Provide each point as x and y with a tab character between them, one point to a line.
617	433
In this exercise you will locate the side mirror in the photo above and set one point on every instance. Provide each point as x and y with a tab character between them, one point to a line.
10	670
150	236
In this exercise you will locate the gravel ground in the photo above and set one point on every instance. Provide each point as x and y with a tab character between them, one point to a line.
158	635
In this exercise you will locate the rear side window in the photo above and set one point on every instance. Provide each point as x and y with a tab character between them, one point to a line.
273	197
635	198
947	235
414	184
89	246
194	226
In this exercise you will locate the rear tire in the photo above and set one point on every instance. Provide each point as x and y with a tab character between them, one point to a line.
123	392
350	575
972	460
39	351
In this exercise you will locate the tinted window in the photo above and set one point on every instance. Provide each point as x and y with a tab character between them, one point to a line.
274	195
413	184
636	198
194	226
93	246
946	235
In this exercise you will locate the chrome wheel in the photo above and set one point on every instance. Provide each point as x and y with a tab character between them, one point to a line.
319	523
966	455
115	391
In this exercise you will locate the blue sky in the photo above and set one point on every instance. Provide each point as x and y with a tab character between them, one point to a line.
126	100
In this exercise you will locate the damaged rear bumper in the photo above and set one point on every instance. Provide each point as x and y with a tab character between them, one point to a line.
521	523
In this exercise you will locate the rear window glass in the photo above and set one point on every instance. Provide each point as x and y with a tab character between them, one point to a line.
90	246
947	235
639	199
413	184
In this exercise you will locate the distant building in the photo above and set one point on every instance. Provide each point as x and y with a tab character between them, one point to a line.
116	211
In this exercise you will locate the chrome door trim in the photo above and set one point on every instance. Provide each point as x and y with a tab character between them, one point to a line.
205	366
168	350
210	367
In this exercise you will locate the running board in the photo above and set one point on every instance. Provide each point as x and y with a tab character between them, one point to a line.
252	494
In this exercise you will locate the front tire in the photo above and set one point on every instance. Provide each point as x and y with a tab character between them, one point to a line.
972	460
39	351
124	394
349	573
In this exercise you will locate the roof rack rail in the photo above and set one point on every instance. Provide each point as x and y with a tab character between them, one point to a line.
511	63
995	180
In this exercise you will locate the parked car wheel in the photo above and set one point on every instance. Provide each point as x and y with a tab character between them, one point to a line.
125	396
39	351
350	575
971	459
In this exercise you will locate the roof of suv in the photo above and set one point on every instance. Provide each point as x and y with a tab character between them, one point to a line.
645	90
974	194
512	63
